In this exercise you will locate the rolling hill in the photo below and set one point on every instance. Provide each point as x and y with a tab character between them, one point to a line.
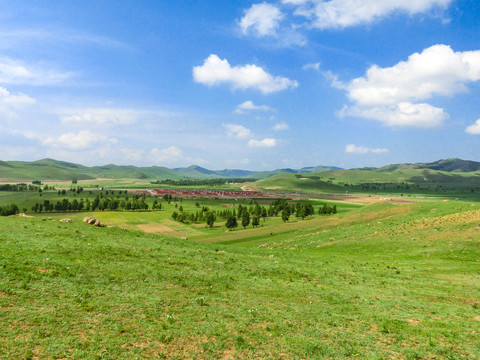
50	169
447	165
447	176
453	179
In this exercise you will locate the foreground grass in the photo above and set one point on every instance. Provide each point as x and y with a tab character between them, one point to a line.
379	282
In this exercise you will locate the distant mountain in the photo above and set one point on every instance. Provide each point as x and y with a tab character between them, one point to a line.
235	173
50	169
315	169
453	165
447	165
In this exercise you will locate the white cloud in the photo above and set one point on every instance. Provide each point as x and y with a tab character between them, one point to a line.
248	106
402	114
437	70
237	131
295	2
267	143
474	129
101	116
171	154
71	141
262	19
216	71
312	66
281	126
338	14
354	149
9	103
131	154
15	72
389	94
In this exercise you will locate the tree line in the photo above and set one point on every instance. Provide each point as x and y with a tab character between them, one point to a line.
246	215
98	203
19	187
8	210
201	182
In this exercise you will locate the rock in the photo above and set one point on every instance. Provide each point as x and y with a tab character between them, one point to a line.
92	221
24	215
66	220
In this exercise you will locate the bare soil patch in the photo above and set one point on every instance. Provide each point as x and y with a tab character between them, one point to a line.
155	228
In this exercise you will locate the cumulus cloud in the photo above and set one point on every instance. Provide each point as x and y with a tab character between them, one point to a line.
101	116
216	71
261	19
390	95
75	141
474	129
338	14
266	143
248	106
437	70
10	103
354	149
237	131
402	114
281	126
15	72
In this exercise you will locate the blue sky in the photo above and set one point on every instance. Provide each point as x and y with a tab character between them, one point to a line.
244	84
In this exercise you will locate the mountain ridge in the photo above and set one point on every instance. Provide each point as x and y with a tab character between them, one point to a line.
51	169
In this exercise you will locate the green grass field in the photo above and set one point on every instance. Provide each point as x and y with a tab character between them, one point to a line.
407	182
379	281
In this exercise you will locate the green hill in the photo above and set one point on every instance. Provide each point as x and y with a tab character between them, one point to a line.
49	169
46	169
292	182
447	165
400	180
449	172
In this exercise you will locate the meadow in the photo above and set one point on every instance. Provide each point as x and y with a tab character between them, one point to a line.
378	280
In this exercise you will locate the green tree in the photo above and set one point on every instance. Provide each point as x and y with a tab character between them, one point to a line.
245	219
286	214
210	219
301	212
231	223
255	221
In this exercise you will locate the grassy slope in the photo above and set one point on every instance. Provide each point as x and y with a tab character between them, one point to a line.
383	281
289	182
15	170
48	169
333	181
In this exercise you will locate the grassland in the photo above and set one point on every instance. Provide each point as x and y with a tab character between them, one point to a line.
407	182
379	281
